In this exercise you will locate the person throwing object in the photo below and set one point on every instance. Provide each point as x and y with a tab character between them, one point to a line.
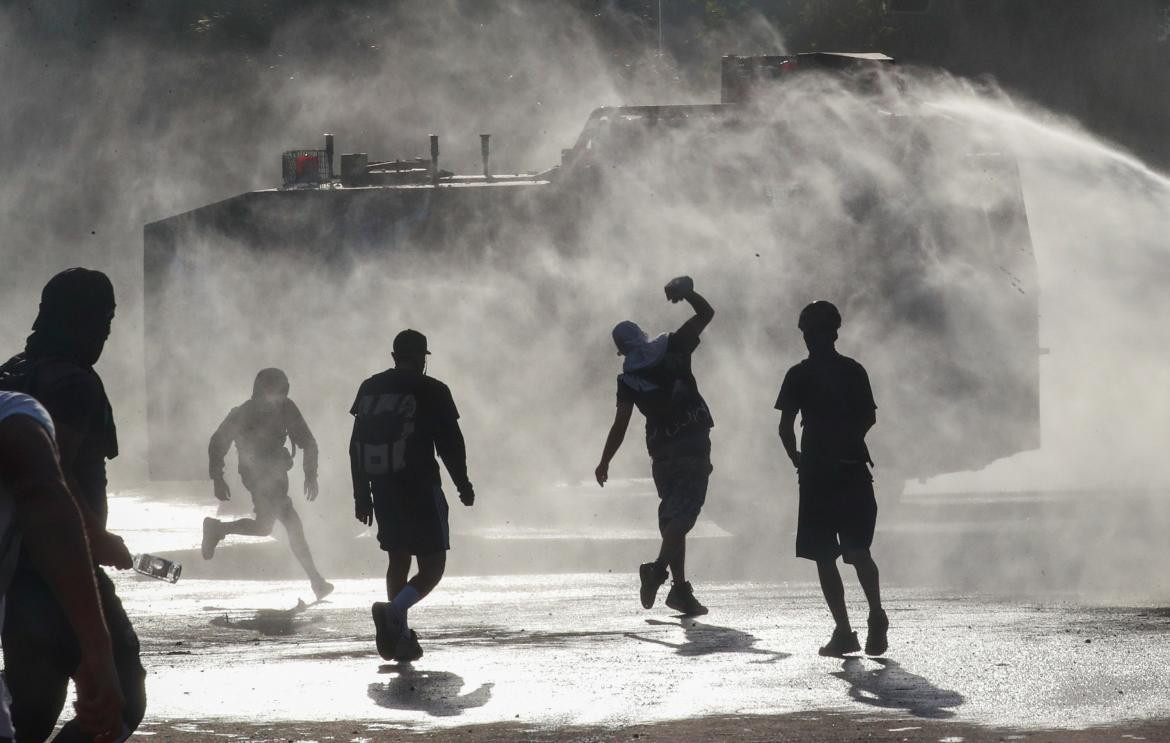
657	379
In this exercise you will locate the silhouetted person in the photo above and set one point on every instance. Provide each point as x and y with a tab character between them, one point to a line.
56	368
259	428
656	377
837	506
401	418
37	510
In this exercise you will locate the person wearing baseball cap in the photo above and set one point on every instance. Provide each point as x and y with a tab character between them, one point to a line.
837	509
402	417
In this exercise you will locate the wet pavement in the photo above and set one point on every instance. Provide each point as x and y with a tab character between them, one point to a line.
573	651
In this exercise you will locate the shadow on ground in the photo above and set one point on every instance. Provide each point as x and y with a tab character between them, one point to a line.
705	639
436	693
892	687
271	622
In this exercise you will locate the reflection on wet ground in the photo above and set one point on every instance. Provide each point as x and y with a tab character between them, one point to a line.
437	693
893	687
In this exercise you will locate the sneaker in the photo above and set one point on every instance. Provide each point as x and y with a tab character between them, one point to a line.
875	641
211	537
322	589
408	648
842	642
682	599
387	629
653	576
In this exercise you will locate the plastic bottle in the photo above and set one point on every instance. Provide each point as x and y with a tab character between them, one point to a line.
158	567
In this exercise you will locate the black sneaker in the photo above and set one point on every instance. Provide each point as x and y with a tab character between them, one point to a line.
211	537
653	576
408	648
682	599
875	641
842	642
387	629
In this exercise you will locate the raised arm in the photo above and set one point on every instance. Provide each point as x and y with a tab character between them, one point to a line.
683	289
613	442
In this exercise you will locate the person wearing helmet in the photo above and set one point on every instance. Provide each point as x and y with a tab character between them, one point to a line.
402	418
259	428
656	378
837	508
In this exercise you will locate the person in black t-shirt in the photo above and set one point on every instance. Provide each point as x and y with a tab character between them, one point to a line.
259	428
657	379
56	368
837	506
401	418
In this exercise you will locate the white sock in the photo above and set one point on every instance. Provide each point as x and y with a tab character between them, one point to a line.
405	599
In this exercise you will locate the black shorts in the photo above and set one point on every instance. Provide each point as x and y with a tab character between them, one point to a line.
269	489
681	475
837	511
412	519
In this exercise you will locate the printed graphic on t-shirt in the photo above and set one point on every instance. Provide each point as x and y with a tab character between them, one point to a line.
395	421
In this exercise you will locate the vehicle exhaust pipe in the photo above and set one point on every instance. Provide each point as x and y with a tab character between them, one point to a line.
484	151
435	159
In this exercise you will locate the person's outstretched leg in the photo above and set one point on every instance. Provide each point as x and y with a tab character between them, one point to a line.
430	571
300	549
673	552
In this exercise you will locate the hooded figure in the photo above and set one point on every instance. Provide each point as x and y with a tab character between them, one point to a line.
640	353
56	367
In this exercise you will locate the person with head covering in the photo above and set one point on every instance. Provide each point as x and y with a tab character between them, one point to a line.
56	368
259	428
402	418
837	510
657	379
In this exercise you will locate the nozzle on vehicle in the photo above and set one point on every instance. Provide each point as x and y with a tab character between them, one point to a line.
484	151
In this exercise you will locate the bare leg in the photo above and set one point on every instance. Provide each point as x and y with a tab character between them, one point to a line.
397	569
834	592
257	527
674	548
430	572
300	547
867	574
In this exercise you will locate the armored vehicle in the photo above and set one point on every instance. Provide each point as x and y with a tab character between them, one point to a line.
815	176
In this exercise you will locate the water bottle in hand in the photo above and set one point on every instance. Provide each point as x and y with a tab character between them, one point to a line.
158	567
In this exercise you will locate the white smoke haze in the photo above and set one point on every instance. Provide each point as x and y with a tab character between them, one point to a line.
833	199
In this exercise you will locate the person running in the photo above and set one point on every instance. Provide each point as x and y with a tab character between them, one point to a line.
401	418
259	428
656	377
40	647
838	511
36	509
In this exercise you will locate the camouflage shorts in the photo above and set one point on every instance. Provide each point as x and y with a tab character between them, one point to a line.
681	481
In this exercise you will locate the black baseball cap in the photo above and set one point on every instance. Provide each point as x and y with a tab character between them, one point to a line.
410	343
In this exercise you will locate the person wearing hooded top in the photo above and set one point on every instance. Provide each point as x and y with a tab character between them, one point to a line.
56	368
837	513
259	428
657	379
